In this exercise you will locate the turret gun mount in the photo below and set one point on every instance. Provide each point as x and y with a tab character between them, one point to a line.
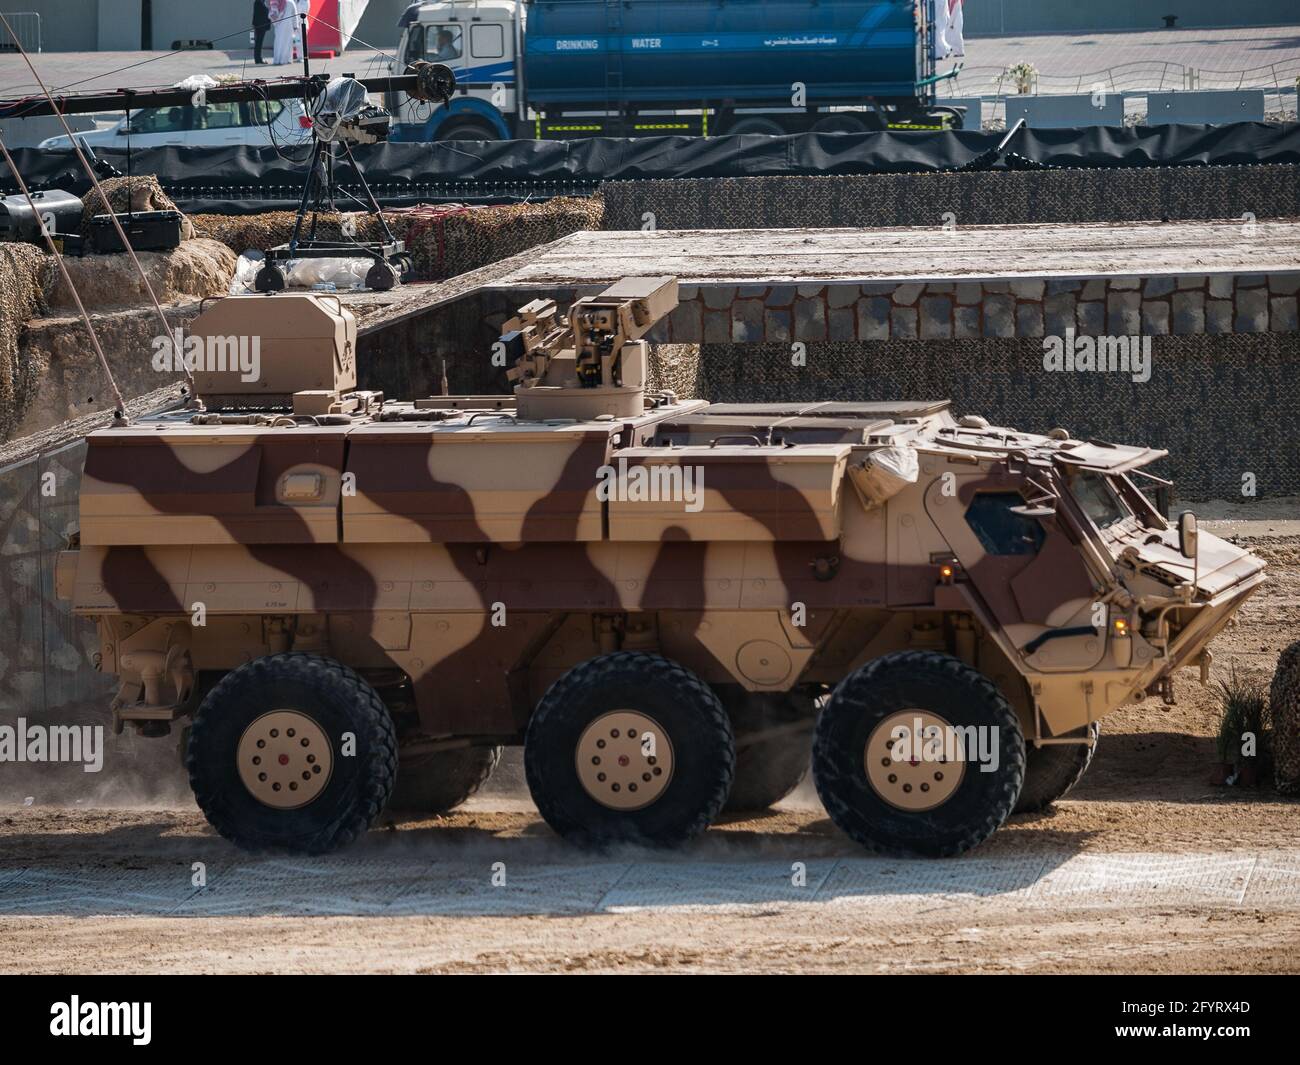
593	362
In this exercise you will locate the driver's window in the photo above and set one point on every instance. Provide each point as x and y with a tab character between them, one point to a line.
1001	531
158	120
443	43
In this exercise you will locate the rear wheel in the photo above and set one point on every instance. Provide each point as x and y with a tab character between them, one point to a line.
754	124
441	780
917	753
1053	770
292	751
629	747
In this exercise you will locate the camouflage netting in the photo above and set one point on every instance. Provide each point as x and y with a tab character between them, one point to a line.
675	367
978	198
443	241
145	195
26	273
1213	400
1284	706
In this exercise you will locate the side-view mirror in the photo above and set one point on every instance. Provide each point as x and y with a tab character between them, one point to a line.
1188	534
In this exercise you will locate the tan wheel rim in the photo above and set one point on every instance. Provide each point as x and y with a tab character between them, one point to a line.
284	759
624	760
928	777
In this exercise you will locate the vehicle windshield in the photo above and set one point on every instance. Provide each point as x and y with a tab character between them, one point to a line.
1098	498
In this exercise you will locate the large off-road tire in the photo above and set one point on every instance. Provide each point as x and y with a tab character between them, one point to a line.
773	733
919	806
1053	770
441	780
629	747
268	754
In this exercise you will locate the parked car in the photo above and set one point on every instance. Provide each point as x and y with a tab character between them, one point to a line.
257	123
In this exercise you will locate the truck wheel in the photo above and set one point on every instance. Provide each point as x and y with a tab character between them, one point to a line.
382	276
931	801
773	745
270	278
629	747
753	124
841	123
468	131
1052	771
440	781
292	751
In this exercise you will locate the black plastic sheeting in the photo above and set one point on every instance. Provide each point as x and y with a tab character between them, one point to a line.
507	169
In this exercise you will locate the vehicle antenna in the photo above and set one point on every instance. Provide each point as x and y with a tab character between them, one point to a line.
94	180
120	405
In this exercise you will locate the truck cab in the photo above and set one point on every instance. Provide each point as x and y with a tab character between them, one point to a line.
480	41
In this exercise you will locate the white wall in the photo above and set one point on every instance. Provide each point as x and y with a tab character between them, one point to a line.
119	25
182	20
66	25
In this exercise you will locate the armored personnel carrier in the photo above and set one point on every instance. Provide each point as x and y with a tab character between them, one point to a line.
667	602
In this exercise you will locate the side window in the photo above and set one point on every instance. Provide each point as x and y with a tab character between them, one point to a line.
160	119
999	530
414	45
263	112
487	42
217	116
443	43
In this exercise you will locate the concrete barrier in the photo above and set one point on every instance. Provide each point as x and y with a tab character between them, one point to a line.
1211	108
1066	112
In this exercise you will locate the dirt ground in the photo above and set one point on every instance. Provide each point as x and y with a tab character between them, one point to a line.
416	896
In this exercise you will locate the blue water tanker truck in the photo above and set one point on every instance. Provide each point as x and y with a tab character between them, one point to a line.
560	69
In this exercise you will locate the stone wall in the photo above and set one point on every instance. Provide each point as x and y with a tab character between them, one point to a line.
995	307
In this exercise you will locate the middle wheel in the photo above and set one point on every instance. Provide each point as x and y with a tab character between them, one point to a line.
629	747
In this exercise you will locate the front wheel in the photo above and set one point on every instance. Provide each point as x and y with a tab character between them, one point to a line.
918	753
294	752
629	747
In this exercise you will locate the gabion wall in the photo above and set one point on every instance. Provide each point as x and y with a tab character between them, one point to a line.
1223	405
983	198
